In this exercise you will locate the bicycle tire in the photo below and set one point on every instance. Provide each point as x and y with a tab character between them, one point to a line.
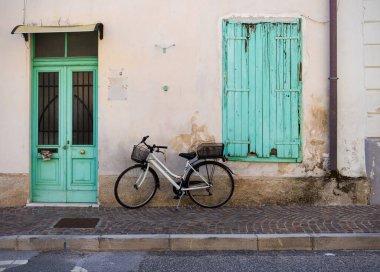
125	191
222	184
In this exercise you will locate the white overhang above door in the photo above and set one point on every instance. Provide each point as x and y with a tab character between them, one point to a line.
28	29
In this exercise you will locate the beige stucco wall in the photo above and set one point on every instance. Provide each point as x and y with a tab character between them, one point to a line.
351	102
191	109
14	92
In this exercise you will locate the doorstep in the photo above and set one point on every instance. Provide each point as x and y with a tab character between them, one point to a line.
50	204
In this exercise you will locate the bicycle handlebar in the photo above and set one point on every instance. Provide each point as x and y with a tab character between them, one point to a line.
151	148
144	139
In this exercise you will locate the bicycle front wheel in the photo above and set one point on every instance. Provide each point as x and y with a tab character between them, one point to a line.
132	190
220	180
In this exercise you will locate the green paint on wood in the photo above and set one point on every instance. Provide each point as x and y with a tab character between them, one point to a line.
262	90
69	176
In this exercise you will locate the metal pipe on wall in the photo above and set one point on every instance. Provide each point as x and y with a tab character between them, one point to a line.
333	90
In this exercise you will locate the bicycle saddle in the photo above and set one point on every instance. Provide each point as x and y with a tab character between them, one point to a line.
189	156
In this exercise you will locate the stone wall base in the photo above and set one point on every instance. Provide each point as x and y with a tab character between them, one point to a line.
14	191
266	191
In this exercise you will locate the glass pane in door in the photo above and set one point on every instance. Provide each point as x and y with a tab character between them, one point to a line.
83	108
48	117
82	44
49	45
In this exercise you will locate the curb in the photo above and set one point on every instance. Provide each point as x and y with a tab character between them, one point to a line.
188	242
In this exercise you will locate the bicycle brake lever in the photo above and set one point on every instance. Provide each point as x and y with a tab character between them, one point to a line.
158	151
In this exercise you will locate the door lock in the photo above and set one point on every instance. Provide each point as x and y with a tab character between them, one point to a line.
65	147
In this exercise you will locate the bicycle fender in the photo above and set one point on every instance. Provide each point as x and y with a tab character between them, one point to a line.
194	164
229	170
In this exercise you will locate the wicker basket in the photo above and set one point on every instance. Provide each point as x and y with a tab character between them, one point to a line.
140	153
210	150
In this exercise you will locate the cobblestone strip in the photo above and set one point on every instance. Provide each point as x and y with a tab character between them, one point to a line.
165	220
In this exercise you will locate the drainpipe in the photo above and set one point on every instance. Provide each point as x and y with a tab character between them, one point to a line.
333	90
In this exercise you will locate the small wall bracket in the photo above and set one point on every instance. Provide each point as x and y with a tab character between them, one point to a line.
164	48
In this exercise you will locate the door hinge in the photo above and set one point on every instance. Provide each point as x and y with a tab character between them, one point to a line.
300	72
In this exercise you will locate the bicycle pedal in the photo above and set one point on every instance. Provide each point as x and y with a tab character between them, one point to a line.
176	197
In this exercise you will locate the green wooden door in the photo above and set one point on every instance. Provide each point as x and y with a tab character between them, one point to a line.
64	138
262	91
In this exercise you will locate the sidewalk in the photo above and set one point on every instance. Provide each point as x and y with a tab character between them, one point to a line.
164	228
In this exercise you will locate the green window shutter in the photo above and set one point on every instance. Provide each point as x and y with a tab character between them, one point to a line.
262	88
236	89
288	90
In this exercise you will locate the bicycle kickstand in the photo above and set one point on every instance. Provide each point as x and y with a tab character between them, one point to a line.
179	200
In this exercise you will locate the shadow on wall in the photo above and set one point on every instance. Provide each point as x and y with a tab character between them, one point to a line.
189	142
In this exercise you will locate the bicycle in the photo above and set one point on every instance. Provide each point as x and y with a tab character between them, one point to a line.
206	181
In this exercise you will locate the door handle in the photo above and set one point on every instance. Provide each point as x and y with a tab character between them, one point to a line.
65	147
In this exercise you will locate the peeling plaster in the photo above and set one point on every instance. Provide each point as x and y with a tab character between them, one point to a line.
351	159
117	88
315	144
373	167
189	142
117	84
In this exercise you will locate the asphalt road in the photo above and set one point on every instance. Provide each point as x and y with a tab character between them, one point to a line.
69	261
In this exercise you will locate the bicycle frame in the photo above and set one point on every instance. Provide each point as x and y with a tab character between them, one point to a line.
161	167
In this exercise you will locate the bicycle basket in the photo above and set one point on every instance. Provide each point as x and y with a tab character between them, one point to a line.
140	153
210	150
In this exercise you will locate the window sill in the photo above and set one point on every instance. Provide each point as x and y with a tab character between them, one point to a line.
256	159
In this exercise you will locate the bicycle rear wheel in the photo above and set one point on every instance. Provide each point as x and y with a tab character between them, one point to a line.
220	179
131	191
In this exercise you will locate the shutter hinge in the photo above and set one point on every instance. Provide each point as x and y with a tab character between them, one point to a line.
300	72
225	82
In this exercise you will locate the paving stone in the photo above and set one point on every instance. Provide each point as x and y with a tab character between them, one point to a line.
292	242
40	243
87	243
144	242
8	242
346	242
213	242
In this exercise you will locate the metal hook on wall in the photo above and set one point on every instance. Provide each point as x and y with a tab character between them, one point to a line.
164	48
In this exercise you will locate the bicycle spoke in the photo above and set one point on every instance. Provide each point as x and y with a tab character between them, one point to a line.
135	187
208	176
210	173
217	176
